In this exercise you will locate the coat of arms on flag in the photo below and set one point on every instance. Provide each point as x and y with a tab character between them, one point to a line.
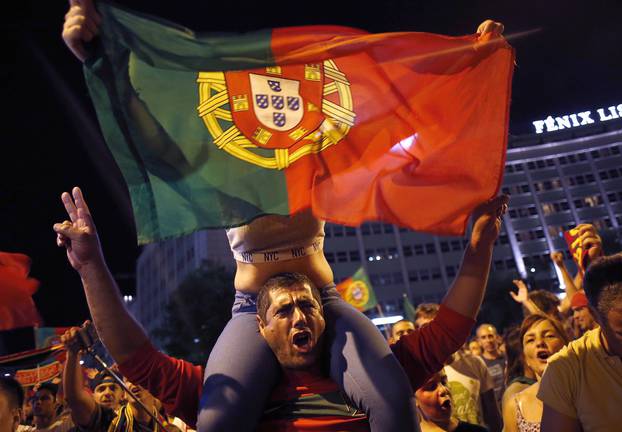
358	291
294	110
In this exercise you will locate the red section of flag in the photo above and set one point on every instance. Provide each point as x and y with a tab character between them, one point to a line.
429	126
253	108
16	289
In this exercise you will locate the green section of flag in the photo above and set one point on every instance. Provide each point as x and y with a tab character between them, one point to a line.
409	309
143	83
361	275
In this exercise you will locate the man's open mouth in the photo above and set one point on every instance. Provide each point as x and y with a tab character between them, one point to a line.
446	404
302	341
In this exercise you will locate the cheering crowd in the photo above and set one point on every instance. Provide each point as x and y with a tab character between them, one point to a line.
296	357
558	370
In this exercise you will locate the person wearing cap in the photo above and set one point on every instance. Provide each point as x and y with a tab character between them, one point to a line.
102	410
581	313
106	391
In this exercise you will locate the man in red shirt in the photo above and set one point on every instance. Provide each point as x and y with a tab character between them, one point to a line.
177	384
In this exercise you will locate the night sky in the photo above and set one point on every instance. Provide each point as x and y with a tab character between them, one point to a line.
50	139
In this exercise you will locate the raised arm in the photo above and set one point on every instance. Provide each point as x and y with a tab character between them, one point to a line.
467	291
425	351
558	259
82	404
522	296
116	327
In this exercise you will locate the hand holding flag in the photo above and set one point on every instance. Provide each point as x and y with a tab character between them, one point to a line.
81	26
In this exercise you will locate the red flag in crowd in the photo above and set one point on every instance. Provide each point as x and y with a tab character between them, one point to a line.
17	309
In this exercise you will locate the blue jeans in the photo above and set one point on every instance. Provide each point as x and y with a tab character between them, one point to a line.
242	370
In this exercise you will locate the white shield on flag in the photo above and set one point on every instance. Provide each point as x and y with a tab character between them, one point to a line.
277	101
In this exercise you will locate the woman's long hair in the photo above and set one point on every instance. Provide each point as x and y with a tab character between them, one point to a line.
514	354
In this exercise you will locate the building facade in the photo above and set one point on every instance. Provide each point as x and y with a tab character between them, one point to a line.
556	181
161	267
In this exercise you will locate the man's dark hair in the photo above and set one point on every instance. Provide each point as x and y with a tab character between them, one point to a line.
603	283
13	391
282	280
426	310
51	387
546	301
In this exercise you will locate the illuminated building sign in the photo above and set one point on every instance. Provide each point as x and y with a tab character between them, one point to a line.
568	121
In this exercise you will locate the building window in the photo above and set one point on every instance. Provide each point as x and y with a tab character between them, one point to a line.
369	253
342	257
355	256
330	257
365	229
413	276
436	273
555	230
451	271
392	253
444	246
430	248
388	229
376	228
398	278
548	209
408	251
350	232
418	249
424	274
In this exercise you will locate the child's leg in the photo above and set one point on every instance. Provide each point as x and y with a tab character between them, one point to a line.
240	374
363	365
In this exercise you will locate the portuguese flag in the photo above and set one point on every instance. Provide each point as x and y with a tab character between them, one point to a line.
214	130
357	291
